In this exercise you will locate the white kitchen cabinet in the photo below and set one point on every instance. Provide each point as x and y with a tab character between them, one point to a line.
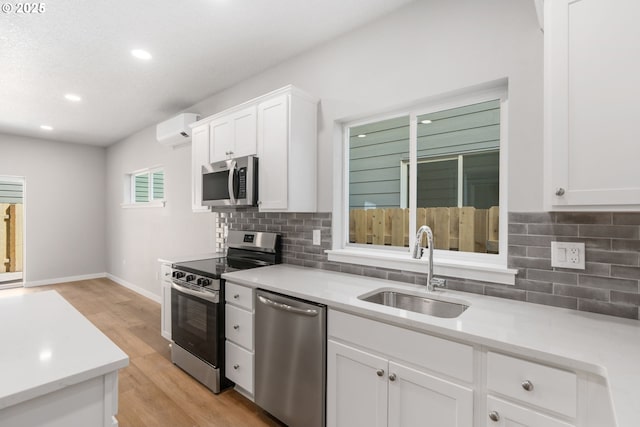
165	307
199	157
239	345
287	151
504	414
380	387
591	104
233	135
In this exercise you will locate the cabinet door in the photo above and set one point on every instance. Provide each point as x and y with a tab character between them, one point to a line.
199	157
417	399
504	414
356	388
166	310
221	141
591	103
244	132
273	153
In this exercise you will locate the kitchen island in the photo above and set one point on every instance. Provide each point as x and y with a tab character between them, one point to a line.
56	368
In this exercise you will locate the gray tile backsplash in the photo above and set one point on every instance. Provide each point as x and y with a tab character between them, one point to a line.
608	285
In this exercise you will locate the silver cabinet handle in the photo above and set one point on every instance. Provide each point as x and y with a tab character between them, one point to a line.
494	416
380	372
560	192
527	385
287	307
236	366
392	377
236	296
236	327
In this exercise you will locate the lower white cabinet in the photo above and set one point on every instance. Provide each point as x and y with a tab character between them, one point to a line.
239	344
365	389
504	414
165	306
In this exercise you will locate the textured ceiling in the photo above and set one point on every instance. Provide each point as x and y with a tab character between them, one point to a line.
199	47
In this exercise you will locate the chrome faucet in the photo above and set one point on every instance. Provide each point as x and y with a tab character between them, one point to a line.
432	282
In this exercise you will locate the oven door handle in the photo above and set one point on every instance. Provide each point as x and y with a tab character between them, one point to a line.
198	294
287	307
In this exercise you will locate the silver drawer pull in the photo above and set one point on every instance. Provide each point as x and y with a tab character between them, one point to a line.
527	385
236	366
380	372
236	327
392	377
236	296
494	416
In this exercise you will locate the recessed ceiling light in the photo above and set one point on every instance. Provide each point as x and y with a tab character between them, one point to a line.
46	127
362	135
425	122
73	97
141	54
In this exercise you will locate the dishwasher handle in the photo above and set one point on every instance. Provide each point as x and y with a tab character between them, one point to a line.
287	307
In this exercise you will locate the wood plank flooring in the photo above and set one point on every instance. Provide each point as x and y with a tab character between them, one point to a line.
153	392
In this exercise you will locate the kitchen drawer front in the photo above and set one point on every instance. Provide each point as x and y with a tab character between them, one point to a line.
239	366
239	295
239	326
165	272
506	414
437	354
549	388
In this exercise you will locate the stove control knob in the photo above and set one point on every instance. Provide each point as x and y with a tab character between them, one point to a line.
178	274
206	282
190	277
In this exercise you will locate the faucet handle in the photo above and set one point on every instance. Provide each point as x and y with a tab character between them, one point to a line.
438	282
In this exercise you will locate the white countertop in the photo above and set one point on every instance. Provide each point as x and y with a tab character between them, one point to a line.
603	345
48	345
183	258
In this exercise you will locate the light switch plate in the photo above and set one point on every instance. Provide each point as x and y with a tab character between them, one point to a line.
567	255
316	237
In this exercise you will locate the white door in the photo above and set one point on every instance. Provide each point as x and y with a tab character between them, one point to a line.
356	387
221	142
199	157
244	132
504	414
417	399
273	152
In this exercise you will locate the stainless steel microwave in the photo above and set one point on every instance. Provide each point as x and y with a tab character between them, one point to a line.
232	182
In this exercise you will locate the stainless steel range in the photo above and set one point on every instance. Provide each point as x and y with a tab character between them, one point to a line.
197	304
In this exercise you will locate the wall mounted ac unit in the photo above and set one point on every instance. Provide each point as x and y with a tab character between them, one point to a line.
176	131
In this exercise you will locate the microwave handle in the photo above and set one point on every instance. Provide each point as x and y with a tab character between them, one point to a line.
232	170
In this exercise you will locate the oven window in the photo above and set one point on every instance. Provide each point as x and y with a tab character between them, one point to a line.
192	317
215	186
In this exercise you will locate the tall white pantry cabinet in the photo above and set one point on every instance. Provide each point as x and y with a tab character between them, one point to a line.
592	64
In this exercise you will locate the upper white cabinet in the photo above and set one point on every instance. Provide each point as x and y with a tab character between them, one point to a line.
281	128
233	135
591	104
287	148
199	157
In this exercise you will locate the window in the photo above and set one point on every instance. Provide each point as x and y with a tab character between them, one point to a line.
145	188
437	164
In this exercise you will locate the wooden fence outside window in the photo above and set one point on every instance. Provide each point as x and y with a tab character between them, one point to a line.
465	229
11	238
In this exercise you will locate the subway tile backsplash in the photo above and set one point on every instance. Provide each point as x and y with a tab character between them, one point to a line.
609	284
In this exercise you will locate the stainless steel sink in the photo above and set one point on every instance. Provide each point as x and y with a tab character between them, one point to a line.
416	303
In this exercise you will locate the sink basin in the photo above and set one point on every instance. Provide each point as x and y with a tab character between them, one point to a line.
416	303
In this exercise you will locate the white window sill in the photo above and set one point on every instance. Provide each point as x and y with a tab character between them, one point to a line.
154	204
442	267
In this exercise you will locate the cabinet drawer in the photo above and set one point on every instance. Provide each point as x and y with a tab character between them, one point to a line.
239	366
238	326
239	295
506	414
549	388
165	272
438	354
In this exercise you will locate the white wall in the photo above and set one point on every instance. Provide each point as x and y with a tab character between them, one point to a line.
428	48
64	206
137	237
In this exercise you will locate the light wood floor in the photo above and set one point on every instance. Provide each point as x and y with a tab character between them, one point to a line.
152	391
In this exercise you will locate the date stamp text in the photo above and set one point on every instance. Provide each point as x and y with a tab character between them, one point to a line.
23	8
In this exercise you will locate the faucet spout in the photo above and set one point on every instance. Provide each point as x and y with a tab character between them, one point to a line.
417	254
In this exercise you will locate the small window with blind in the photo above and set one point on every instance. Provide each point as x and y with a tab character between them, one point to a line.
145	188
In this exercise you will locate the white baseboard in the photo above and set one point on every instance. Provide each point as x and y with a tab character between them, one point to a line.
134	288
64	279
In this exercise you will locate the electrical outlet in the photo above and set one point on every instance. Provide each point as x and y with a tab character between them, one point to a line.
567	255
316	237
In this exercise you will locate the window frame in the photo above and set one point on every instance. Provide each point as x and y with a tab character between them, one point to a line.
479	266
130	189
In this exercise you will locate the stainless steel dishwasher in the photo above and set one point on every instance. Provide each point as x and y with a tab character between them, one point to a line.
290	359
